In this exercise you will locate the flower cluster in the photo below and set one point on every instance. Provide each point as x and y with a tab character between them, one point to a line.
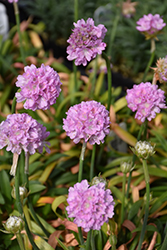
87	120
147	99
161	70
22	132
150	25
90	206
40	87
11	1
143	149
85	41
14	224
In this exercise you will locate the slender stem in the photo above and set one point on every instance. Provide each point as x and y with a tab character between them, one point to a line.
164	244
20	209
16	11
92	162
123	198
81	160
75	76
113	33
80	236
29	198
146	174
109	78
93	241
94	76
20	241
75	10
151	59
88	241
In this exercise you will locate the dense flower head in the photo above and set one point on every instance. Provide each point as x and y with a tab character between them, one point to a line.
146	99
40	87
161	70
14	224
87	120
150	25
86	41
11	1
90	206
22	132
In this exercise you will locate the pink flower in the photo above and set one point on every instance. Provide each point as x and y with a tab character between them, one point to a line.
40	87
87	120
146	99
22	132
90	206
11	1
150	25
85	41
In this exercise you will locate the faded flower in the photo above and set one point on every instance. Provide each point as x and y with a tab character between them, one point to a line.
161	70
143	149
14	224
85	41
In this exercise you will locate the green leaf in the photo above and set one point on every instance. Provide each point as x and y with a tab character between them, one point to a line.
5	186
35	188
134	209
61	244
57	201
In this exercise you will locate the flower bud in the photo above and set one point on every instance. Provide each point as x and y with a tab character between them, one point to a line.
22	193
143	149
14	224
97	179
126	167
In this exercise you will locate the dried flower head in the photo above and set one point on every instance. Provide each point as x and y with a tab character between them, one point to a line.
126	167
22	132
146	99
87	120
150	25
143	149
90	206
14	224
85	41
39	87
161	70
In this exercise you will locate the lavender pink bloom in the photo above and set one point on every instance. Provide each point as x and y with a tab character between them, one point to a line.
146	99
90	206
150	25
85	41
39	87
87	120
11	1
22	132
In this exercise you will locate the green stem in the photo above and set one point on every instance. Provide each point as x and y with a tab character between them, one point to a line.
123	198
75	76
146	174
113	33
92	162
20	209
16	11
93	241
75	10
80	236
88	240
109	78
94	77
81	160
29	198
151	59
20	241
164	244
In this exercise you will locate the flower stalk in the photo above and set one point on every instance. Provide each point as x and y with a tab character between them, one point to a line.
92	162
81	160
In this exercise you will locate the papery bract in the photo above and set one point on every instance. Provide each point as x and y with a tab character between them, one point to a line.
146	99
161	70
85	41
87	120
40	87
90	206
22	132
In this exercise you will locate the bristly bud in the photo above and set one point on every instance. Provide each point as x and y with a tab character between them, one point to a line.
22	192
97	179
14	224
126	167
143	149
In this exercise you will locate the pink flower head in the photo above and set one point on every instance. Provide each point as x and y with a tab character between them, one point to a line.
11	1
90	206
21	131
87	120
146	99
40	87
85	41
150	25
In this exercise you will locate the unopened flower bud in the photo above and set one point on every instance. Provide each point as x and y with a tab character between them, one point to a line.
126	167
14	224
143	149
97	179
22	193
